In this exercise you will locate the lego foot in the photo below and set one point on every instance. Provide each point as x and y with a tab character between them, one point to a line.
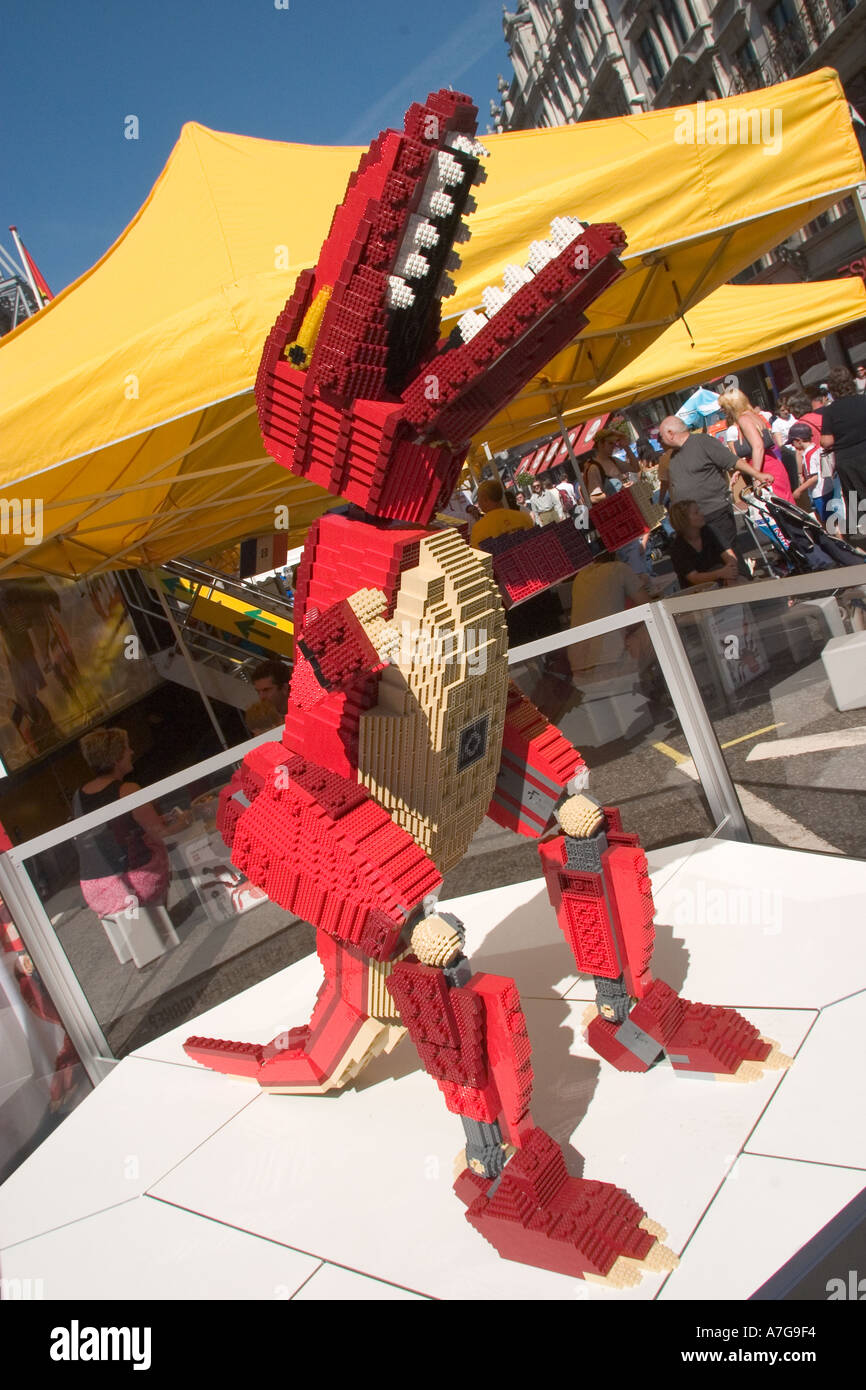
721	1042
248	1060
294	1063
702	1039
536	1214
776	1060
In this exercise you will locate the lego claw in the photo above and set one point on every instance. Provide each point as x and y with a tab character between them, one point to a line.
538	1215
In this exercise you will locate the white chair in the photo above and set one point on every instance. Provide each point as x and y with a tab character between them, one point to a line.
844	661
141	936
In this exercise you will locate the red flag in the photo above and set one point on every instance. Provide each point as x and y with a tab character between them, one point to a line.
38	277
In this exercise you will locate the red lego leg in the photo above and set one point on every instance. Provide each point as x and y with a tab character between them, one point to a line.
298	830
340	1039
471	1035
599	886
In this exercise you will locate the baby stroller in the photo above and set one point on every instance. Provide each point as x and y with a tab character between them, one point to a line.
798	543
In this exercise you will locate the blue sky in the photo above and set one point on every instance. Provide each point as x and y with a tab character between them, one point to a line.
319	72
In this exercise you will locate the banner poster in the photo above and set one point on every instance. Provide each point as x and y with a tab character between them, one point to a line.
741	655
69	657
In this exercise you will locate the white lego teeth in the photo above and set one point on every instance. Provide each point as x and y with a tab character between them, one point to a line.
421	233
540	253
435	203
493	299
399	295
515	276
411	265
450	172
467	145
471	323
564	230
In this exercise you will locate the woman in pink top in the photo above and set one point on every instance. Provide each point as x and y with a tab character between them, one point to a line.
757	442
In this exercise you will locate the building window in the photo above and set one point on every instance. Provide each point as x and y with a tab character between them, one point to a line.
661	39
649	54
781	15
671	12
747	65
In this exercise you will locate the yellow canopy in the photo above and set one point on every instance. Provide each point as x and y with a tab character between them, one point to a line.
737	325
126	407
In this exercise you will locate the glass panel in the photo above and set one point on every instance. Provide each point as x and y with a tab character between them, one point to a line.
41	1077
157	931
609	698
784	682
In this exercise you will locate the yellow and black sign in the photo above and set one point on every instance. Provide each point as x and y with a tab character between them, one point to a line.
269	631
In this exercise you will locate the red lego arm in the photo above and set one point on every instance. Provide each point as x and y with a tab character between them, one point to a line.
537	764
338	645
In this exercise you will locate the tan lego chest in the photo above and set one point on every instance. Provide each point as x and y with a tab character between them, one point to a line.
429	749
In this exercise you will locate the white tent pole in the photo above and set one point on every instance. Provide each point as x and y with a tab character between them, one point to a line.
573	456
40	302
189	661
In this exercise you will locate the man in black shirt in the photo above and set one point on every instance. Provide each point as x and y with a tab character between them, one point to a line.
699	473
844	431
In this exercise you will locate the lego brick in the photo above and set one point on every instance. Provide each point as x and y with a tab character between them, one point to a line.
618	519
527	562
445	1024
429	748
601	1034
540	1216
337	647
537	763
509	1052
716	1040
630	892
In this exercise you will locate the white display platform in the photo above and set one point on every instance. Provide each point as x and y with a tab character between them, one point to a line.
172	1182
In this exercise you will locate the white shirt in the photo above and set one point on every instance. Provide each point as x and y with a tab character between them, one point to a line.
812	468
780	426
541	503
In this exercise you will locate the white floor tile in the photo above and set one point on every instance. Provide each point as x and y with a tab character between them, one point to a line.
330	1283
667	1138
364	1179
767	1209
131	1130
818	1113
749	925
513	931
148	1250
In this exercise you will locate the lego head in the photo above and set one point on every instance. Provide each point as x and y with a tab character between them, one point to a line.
358	327
357	389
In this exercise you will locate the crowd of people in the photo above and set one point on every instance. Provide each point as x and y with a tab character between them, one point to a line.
807	456
809	453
